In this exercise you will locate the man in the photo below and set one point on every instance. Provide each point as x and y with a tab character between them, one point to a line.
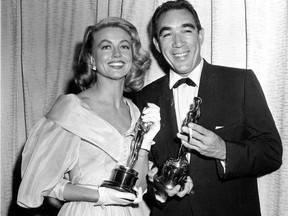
235	139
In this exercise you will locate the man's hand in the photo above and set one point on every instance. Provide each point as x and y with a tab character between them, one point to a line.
152	173
204	141
175	191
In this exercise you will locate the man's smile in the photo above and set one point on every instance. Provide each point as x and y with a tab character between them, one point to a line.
181	55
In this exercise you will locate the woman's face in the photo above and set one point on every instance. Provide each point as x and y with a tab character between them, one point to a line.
112	53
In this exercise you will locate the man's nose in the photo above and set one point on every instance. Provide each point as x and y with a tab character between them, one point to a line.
178	41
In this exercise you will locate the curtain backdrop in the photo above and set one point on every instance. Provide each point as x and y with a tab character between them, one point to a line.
39	39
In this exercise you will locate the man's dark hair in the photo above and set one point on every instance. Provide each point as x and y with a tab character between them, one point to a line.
173	5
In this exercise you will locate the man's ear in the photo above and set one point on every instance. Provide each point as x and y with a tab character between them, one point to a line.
156	44
201	36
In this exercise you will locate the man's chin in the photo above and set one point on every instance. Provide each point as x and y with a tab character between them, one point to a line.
182	71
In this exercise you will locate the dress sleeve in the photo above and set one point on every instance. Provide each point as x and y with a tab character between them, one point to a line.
58	190
49	153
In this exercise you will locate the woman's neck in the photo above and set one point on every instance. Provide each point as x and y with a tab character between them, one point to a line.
109	94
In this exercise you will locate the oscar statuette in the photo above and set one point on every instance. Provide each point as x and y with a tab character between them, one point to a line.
175	170
122	177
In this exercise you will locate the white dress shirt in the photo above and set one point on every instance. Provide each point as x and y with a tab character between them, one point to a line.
184	94
184	97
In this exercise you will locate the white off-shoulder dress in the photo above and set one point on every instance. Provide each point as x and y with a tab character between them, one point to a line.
72	144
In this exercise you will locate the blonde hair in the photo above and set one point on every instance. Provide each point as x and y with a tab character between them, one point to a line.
85	77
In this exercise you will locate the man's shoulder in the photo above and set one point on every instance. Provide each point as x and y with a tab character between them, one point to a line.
156	84
150	92
226	71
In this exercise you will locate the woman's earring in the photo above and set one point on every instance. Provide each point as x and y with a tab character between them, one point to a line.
92	62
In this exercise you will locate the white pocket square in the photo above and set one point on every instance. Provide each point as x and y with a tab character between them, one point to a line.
218	127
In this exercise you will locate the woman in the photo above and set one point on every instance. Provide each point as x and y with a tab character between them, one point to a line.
74	148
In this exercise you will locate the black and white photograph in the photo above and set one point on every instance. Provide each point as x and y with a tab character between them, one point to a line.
144	108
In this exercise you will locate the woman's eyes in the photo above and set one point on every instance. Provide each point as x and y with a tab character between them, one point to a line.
125	47
107	47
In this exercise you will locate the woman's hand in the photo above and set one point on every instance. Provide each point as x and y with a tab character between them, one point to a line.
151	113
109	196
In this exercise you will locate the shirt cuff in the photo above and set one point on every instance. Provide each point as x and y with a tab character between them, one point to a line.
223	163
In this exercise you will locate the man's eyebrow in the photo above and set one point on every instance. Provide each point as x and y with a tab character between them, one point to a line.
166	28
189	25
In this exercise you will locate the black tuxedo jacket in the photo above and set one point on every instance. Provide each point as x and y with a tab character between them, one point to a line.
234	102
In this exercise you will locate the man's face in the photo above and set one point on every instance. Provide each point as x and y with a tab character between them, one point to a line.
179	40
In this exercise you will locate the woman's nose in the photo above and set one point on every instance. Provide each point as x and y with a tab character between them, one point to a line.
116	53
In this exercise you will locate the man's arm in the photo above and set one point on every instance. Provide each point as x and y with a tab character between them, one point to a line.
258	152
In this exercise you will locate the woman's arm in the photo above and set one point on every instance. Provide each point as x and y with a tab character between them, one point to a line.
100	196
150	114
80	193
141	166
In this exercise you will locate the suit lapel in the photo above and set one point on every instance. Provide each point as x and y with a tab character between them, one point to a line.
208	83
207	89
169	116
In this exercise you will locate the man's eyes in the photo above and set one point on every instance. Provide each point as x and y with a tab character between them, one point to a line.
168	34
188	31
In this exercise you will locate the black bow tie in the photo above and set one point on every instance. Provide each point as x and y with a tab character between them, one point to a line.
188	81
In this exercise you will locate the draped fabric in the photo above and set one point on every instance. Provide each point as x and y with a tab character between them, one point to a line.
40	39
